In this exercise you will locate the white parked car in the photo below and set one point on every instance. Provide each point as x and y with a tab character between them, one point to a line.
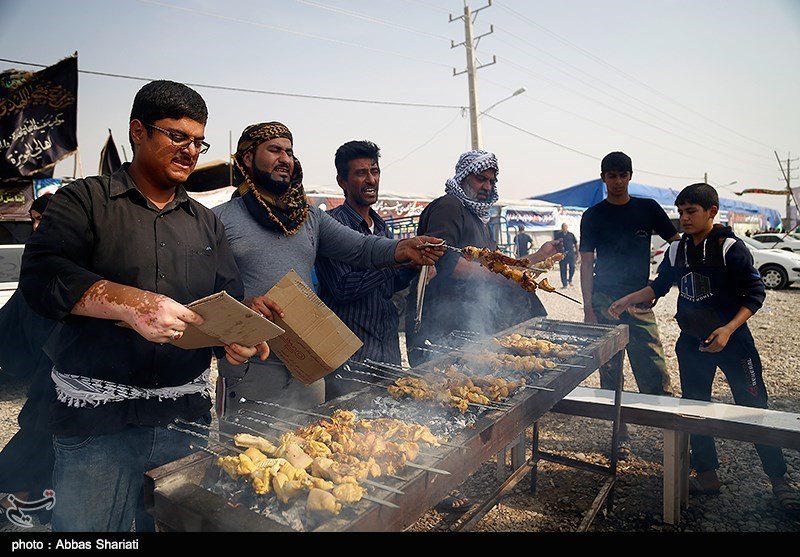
10	263
779	268
778	240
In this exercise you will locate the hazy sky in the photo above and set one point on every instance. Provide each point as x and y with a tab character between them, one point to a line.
685	87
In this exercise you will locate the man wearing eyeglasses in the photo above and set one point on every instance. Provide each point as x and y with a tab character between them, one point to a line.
131	247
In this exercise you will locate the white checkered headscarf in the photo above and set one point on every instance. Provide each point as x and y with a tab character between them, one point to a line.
473	162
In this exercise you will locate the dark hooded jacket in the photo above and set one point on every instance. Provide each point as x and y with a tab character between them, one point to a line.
715	279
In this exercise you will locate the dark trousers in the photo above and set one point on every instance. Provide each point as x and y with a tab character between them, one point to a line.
741	364
567	268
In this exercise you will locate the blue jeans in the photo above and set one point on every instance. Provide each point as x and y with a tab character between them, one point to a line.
98	480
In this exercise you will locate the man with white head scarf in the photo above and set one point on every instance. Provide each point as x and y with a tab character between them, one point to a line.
465	295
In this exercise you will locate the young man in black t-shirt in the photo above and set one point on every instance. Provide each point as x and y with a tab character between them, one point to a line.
615	252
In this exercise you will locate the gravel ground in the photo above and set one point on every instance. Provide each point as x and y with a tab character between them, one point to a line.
745	503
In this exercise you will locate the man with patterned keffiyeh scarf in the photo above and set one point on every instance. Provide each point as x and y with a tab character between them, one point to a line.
272	229
465	295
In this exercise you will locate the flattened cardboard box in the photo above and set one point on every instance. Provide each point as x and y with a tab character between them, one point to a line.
315	341
226	320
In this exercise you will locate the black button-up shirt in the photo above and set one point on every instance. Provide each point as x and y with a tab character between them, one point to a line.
362	298
102	227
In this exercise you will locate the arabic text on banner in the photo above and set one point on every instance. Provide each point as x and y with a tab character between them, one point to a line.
38	117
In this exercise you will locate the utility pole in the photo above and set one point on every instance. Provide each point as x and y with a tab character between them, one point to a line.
470	43
787	176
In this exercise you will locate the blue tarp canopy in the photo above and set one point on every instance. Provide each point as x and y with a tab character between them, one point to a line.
583	196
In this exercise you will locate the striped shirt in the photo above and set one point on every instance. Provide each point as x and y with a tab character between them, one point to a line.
362	298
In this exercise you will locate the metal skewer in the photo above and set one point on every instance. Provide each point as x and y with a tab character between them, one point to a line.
349	369
421	284
396	367
370	383
564	295
426	468
265	403
537	387
382	486
383	502
295	424
398	371
204	437
206	449
247	427
442	346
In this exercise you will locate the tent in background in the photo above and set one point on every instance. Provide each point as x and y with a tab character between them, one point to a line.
583	196
209	176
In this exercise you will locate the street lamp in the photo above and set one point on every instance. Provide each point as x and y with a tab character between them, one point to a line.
476	132
514	94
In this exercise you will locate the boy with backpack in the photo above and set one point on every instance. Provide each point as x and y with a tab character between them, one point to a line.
719	290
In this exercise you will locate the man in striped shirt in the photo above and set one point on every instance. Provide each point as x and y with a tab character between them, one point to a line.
361	298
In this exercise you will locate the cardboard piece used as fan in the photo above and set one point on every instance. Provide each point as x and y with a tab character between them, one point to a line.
316	341
226	320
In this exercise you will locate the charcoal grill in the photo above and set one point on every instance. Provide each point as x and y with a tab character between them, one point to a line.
178	496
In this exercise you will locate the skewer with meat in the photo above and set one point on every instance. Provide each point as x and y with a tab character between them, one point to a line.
485	255
521	345
503	265
456	390
524	364
393	429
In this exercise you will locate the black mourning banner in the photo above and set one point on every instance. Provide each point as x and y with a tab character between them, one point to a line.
38	119
109	157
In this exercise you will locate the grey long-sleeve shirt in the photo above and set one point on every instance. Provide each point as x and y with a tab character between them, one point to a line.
265	256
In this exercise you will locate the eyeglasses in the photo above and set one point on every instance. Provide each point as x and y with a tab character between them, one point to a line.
181	140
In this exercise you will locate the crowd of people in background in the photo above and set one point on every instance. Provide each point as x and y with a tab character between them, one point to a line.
135	249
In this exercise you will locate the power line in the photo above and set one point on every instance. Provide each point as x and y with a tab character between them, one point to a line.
628	76
557	144
288	31
371	19
256	91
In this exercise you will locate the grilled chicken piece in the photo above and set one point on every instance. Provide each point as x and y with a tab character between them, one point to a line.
261	477
286	489
255	455
329	469
229	464
294	454
348	493
322	503
544	285
260	443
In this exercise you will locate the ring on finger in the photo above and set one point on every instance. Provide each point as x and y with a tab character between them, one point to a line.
176	335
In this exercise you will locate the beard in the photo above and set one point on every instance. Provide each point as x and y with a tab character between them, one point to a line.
263	180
